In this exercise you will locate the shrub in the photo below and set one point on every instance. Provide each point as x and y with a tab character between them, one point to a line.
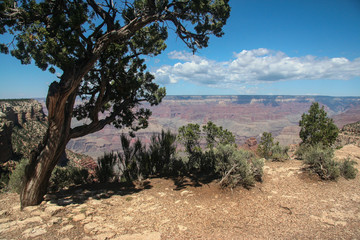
265	145
279	153
237	167
270	150
63	177
105	168
162	151
316	127
301	150
215	135
319	159
16	177
347	169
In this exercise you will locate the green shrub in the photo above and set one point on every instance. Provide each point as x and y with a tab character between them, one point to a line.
105	168
347	169
237	167
16	177
316	127
279	153
63	177
265	145
301	150
319	159
162	151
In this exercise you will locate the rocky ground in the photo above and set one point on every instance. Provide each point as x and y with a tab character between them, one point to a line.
289	204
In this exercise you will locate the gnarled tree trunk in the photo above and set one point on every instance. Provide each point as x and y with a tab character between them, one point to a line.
42	162
44	159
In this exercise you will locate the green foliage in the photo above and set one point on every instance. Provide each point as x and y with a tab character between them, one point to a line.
105	168
16	177
320	160
265	145
67	176
316	127
189	136
279	153
348	170
237	167
87	42
217	135
162	151
270	150
131	159
300	151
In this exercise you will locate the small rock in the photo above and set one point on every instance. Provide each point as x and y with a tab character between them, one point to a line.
30	208
89	227
182	228
53	209
183	193
34	232
53	221
66	228
37	213
26	221
98	219
128	218
79	217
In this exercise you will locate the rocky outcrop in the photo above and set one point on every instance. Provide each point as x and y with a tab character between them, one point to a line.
21	111
23	124
14	115
349	134
22	127
6	149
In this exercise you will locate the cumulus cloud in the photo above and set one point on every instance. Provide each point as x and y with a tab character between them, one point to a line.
254	66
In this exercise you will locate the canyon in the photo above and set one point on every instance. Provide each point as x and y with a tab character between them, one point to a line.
246	116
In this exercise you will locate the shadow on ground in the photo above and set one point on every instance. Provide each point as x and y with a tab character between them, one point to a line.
80	194
190	181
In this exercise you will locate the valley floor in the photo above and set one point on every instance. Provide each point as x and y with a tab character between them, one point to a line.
289	204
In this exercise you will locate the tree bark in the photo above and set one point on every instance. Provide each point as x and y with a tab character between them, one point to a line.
44	159
42	162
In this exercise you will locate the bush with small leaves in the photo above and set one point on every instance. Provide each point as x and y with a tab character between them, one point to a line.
161	151
67	176
302	148
237	167
347	169
279	153
16	177
320	160
265	145
105	168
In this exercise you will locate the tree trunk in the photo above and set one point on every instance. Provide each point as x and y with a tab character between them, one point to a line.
42	162
44	159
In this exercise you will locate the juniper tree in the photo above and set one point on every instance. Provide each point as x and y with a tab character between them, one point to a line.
316	127
98	48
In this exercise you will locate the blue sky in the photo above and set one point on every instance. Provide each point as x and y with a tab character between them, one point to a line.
277	47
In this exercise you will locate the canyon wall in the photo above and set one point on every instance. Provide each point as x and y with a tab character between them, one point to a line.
245	116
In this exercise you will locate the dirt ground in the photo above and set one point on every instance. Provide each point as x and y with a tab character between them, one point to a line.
289	204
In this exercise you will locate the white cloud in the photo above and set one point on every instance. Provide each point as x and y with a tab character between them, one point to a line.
253	67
